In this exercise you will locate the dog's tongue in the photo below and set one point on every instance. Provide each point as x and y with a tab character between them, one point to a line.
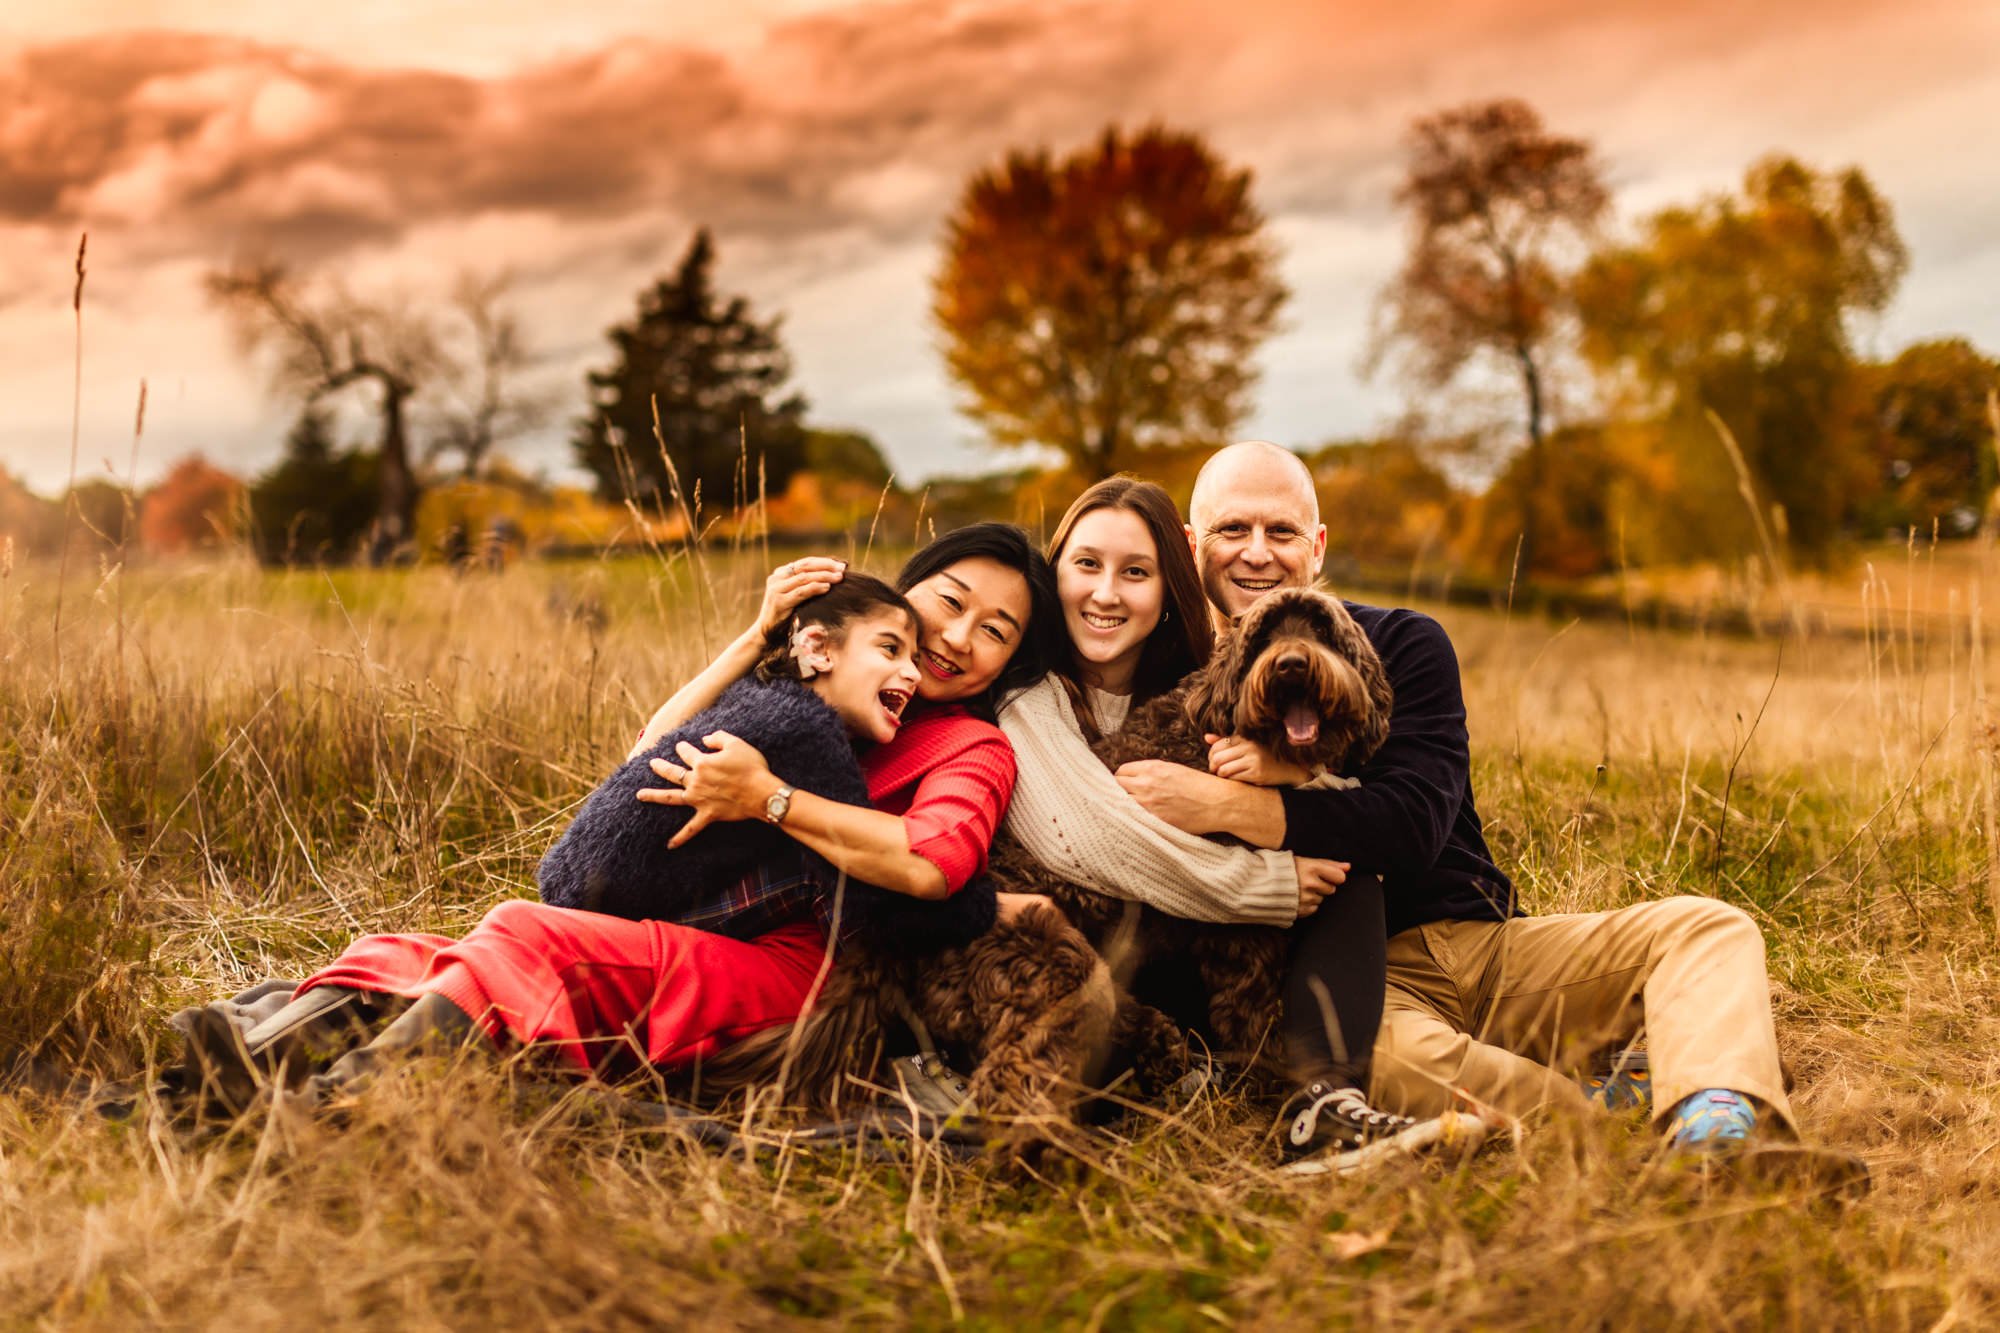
1301	725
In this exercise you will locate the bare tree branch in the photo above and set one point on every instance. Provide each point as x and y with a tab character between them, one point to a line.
321	343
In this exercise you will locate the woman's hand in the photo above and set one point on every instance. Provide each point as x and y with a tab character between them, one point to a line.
1242	760
728	781
789	585
1317	880
792	583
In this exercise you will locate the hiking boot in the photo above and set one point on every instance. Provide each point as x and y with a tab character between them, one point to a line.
931	1086
432	1024
1453	1134
317	1028
217	1072
1621	1081
225	1066
1323	1115
1805	1167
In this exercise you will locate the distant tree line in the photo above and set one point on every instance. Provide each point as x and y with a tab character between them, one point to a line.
1678	388
1687	392
1686	388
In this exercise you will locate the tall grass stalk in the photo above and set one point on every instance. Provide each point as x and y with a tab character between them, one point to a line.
75	438
125	536
691	516
1747	488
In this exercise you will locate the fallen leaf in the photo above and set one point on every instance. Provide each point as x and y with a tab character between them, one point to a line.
1353	1244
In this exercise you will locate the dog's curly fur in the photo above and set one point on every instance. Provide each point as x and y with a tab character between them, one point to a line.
1297	647
1297	655
1033	1000
1030	1001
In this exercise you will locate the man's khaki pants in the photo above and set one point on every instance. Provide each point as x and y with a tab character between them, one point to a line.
1510	1010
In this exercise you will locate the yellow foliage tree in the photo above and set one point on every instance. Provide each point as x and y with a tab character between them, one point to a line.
1741	305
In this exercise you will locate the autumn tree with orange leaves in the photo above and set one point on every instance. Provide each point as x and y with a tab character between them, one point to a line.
1932	421
1108	303
195	505
1499	209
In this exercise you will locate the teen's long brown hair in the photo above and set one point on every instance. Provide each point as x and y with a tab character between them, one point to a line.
1184	638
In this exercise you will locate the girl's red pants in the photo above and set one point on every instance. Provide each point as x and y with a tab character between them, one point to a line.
595	988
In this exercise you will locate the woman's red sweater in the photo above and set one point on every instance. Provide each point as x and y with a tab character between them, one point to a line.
949	776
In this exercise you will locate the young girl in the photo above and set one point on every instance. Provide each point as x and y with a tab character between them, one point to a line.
986	601
813	692
1138	623
671	993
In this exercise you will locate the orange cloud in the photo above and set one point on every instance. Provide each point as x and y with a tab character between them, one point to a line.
205	136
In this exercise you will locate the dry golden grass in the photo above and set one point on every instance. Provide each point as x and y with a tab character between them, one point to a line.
237	772
1917	582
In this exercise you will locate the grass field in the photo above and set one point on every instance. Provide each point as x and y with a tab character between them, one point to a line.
225	774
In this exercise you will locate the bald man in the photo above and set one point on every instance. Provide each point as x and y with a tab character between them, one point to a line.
1478	996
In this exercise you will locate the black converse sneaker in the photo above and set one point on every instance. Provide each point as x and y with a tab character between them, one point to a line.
1322	1115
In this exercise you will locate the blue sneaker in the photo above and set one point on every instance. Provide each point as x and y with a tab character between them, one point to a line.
1712	1120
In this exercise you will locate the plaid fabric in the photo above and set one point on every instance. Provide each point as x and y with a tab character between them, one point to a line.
778	893
947	775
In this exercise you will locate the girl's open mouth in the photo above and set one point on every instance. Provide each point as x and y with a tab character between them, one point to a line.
893	703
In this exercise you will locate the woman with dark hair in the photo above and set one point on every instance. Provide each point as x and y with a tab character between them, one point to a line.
1134	610
1138	622
747	956
986	606
935	581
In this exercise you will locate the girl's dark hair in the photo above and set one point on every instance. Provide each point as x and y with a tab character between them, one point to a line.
855	596
1185	637
1013	548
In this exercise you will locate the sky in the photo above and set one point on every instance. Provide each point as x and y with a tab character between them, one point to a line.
390	145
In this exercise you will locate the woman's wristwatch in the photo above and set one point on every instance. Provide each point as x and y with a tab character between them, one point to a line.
779	804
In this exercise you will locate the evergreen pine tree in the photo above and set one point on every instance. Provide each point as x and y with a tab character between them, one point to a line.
316	504
719	378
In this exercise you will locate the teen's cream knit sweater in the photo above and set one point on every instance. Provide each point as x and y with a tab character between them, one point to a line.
1073	817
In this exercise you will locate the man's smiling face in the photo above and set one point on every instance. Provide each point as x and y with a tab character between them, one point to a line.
1254	521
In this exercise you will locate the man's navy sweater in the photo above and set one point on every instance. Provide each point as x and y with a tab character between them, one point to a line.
1411	820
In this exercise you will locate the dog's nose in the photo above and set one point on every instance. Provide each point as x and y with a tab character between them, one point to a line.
1291	664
